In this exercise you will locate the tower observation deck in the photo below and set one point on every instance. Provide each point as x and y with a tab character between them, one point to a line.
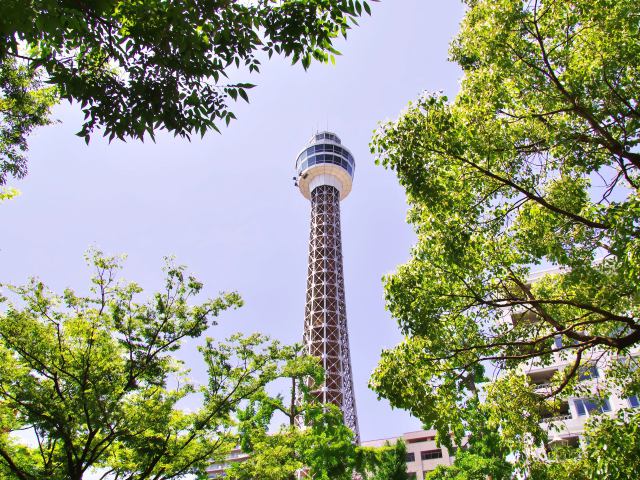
325	170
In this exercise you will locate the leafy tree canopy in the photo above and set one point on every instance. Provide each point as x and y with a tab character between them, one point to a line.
8	193
88	384
313	438
480	456
535	164
384	463
139	65
611	450
469	466
24	105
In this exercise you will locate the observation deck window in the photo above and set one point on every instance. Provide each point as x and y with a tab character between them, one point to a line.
335	150
327	136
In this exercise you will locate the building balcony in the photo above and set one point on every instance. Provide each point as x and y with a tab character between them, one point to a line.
557	418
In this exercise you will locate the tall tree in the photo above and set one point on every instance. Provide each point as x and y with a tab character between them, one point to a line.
137	66
384	463
481	456
534	164
313	438
88	384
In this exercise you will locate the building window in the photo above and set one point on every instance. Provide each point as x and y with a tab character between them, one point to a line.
633	401
589	372
412	475
411	457
586	406
431	454
557	341
421	439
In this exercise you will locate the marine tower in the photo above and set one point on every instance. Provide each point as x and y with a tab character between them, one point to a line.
325	171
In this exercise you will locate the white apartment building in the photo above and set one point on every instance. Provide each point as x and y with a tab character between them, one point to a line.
567	426
569	422
217	470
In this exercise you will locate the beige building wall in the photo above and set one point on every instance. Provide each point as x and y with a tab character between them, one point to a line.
423	455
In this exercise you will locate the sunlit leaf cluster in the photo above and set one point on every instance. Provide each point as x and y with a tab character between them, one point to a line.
90	385
137	66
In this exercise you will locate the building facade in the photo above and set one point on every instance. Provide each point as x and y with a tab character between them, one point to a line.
423	455
218	469
567	425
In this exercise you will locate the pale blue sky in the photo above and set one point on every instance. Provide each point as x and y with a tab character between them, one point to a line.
226	205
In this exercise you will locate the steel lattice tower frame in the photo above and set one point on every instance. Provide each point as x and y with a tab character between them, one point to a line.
325	171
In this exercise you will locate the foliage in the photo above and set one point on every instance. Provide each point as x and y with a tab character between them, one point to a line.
534	164
469	466
610	450
24	105
313	438
323	447
8	193
481	455
384	463
137	66
561	463
89	385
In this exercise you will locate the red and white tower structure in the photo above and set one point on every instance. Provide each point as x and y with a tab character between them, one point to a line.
325	171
